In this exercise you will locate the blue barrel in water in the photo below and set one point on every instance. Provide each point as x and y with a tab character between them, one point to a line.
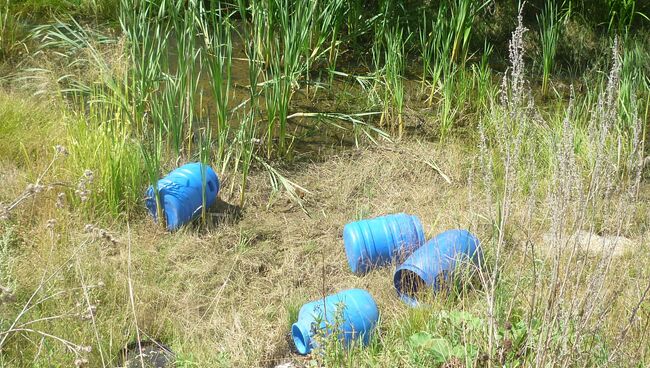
436	263
181	193
381	240
351	314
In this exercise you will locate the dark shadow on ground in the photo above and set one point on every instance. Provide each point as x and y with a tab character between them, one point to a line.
224	213
151	353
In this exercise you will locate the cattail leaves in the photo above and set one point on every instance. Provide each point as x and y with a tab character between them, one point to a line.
549	34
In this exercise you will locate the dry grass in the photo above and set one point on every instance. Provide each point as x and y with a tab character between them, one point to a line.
226	295
230	290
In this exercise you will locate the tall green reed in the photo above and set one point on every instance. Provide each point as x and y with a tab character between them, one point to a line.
622	14
393	77
174	110
205	145
330	22
152	150
216	29
549	34
289	62
436	40
8	28
248	133
461	18
147	36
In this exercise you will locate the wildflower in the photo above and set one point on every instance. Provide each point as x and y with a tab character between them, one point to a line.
4	212
61	150
6	295
89	175
34	188
86	349
50	224
100	233
89	313
83	189
80	362
60	200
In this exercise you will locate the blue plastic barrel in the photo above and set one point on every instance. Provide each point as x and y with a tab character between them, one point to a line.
356	319
381	240
181	194
433	265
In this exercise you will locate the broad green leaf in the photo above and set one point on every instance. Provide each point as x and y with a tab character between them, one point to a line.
441	349
420	339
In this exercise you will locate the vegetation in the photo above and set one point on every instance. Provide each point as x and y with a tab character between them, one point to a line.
524	123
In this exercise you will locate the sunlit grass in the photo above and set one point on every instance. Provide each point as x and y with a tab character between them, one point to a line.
549	32
478	149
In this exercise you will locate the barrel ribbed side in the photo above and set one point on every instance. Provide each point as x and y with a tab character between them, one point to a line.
380	241
352	312
433	265
181	193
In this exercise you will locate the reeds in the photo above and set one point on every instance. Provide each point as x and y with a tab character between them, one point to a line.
393	75
549	34
443	43
8	28
436	40
216	29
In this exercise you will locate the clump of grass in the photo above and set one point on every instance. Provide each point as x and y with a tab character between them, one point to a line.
393	75
9	28
482	79
549	34
436	48
462	14
26	128
218	57
152	156
444	42
622	14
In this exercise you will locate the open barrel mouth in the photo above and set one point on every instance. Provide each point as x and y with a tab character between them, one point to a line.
299	339
409	284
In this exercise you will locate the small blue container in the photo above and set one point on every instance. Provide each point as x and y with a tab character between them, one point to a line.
434	264
381	240
181	194
357	319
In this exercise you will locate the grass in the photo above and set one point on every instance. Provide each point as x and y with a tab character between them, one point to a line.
288	102
549	34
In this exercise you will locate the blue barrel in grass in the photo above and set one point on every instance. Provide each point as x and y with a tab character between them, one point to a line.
436	265
181	193
351	314
381	240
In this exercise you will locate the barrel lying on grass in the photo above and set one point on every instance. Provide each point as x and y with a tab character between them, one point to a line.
352	314
436	264
381	240
182	193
